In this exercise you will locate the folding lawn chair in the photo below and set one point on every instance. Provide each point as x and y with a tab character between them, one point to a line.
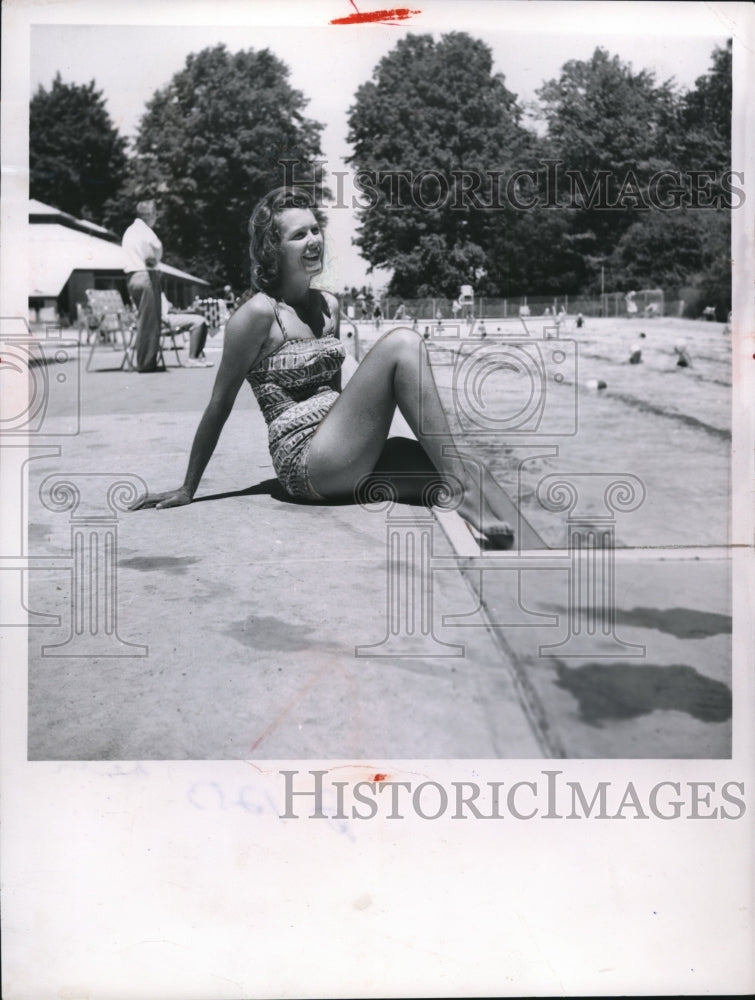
108	320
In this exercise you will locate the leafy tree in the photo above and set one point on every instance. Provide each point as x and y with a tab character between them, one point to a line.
537	255
690	248
714	280
706	114
706	128
438	114
603	117
687	250
438	108
77	159
209	147
660	250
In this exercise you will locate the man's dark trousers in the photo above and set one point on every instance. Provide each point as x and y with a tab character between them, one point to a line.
144	288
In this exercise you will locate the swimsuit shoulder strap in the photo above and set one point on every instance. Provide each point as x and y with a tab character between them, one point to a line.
274	304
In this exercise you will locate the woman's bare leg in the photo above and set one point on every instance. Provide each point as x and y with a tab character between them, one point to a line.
348	442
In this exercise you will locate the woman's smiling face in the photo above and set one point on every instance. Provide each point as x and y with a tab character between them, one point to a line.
301	242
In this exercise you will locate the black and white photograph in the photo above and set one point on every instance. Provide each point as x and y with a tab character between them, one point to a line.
377	456
532	558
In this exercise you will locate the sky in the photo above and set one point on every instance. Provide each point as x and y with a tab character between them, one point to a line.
129	62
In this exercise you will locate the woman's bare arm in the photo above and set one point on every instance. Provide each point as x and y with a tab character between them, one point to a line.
335	309
335	305
245	335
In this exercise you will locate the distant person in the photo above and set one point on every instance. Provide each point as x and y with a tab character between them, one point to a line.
194	324
581	321
524	310
630	304
481	329
683	360
229	298
400	311
377	315
455	308
635	354
144	252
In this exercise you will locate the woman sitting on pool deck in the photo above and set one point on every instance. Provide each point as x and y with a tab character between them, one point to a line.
284	341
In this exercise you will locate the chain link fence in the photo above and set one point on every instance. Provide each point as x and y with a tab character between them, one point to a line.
643	304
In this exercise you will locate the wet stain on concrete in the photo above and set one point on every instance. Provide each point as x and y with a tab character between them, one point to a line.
269	632
683	623
37	532
625	691
169	564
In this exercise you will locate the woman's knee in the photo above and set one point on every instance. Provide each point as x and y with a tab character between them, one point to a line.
403	340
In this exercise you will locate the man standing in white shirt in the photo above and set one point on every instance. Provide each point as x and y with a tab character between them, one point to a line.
143	254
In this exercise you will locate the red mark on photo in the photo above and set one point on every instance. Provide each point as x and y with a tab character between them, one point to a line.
380	777
392	16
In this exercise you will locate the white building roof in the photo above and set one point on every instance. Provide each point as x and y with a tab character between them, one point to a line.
39	208
56	250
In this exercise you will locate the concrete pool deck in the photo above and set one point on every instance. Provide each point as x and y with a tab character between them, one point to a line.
249	626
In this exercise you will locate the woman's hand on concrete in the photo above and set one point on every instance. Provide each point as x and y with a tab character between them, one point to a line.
171	498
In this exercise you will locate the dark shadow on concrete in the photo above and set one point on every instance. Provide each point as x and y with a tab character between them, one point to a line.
684	623
168	564
403	467
266	632
267	488
625	691
105	371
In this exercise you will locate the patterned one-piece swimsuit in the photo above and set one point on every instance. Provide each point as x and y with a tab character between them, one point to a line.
295	386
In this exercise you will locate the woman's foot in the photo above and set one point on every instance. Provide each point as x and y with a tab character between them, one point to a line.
498	535
493	530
